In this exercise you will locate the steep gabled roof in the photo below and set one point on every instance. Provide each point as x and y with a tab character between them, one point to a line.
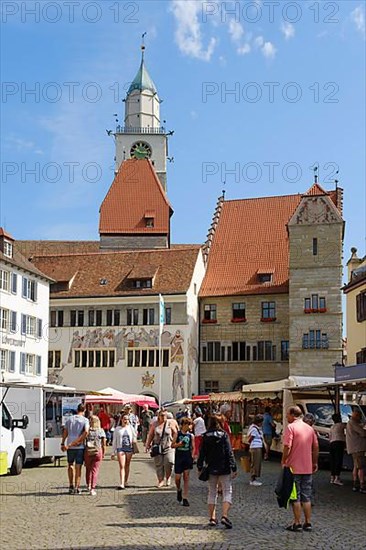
250	238
135	190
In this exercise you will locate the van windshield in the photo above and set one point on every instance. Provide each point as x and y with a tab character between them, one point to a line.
323	412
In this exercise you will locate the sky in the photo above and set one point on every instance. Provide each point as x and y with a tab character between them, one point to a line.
257	93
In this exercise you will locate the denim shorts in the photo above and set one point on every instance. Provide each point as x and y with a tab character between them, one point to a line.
75	455
124	449
304	485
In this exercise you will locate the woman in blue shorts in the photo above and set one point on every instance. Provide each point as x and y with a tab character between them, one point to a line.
184	445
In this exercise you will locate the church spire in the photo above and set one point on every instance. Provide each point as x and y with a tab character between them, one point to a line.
142	80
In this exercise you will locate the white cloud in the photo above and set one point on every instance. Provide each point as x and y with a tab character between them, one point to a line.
358	18
259	41
236	30
268	50
288	30
242	50
188	34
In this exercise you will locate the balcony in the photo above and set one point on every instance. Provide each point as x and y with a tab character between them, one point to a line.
139	130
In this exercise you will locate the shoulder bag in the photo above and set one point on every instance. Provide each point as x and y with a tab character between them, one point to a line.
157	448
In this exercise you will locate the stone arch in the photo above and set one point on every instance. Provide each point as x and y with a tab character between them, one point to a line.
237	385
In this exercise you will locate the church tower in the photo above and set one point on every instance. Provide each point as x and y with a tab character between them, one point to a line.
142	135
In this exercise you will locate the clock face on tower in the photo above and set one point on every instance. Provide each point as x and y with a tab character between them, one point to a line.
140	150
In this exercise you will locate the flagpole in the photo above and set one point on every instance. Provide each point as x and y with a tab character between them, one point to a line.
160	370
161	328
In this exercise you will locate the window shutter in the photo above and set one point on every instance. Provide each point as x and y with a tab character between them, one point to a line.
13	321
38	365
24	286
14	281
35	291
24	324
39	328
12	361
22	363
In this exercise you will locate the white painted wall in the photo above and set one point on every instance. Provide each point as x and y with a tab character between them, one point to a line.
15	341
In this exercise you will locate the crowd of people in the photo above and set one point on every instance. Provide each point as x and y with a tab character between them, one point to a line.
176	444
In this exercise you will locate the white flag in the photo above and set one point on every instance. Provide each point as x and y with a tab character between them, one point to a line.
161	314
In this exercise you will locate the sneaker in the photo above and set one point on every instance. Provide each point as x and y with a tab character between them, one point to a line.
71	490
185	502
77	491
355	488
179	495
225	521
255	483
93	493
307	527
363	490
337	482
295	528
212	522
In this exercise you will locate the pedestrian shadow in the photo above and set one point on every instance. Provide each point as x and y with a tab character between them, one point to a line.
166	525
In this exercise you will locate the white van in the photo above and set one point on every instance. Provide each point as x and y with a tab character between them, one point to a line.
12	441
42	404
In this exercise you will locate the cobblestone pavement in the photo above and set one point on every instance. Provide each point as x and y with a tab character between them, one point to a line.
37	512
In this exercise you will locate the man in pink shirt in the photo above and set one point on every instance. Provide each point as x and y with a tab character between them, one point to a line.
300	453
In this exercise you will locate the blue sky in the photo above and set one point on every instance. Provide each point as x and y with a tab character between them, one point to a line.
297	70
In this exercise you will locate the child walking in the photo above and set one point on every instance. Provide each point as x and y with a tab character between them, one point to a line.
184	445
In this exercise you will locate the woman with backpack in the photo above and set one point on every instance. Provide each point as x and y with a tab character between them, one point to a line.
217	457
94	453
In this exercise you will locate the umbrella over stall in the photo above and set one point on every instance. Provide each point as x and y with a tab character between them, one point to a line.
113	396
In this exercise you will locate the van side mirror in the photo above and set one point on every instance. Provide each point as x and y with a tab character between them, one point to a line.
25	421
20	423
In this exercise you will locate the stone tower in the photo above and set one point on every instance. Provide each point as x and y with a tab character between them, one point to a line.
142	135
315	280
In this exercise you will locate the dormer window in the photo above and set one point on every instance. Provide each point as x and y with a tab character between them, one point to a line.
8	249
149	219
142	283
265	277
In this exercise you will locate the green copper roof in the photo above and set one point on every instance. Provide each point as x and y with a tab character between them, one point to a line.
142	81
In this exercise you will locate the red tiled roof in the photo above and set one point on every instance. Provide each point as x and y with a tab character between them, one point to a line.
316	189
250	238
174	270
135	190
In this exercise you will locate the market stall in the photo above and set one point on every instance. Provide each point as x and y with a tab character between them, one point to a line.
111	396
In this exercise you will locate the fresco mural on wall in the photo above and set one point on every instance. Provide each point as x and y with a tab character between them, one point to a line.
134	337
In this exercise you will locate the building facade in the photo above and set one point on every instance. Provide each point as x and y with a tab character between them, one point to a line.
270	302
24	311
355	291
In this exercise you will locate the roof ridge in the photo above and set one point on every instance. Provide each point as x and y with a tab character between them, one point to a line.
107	252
